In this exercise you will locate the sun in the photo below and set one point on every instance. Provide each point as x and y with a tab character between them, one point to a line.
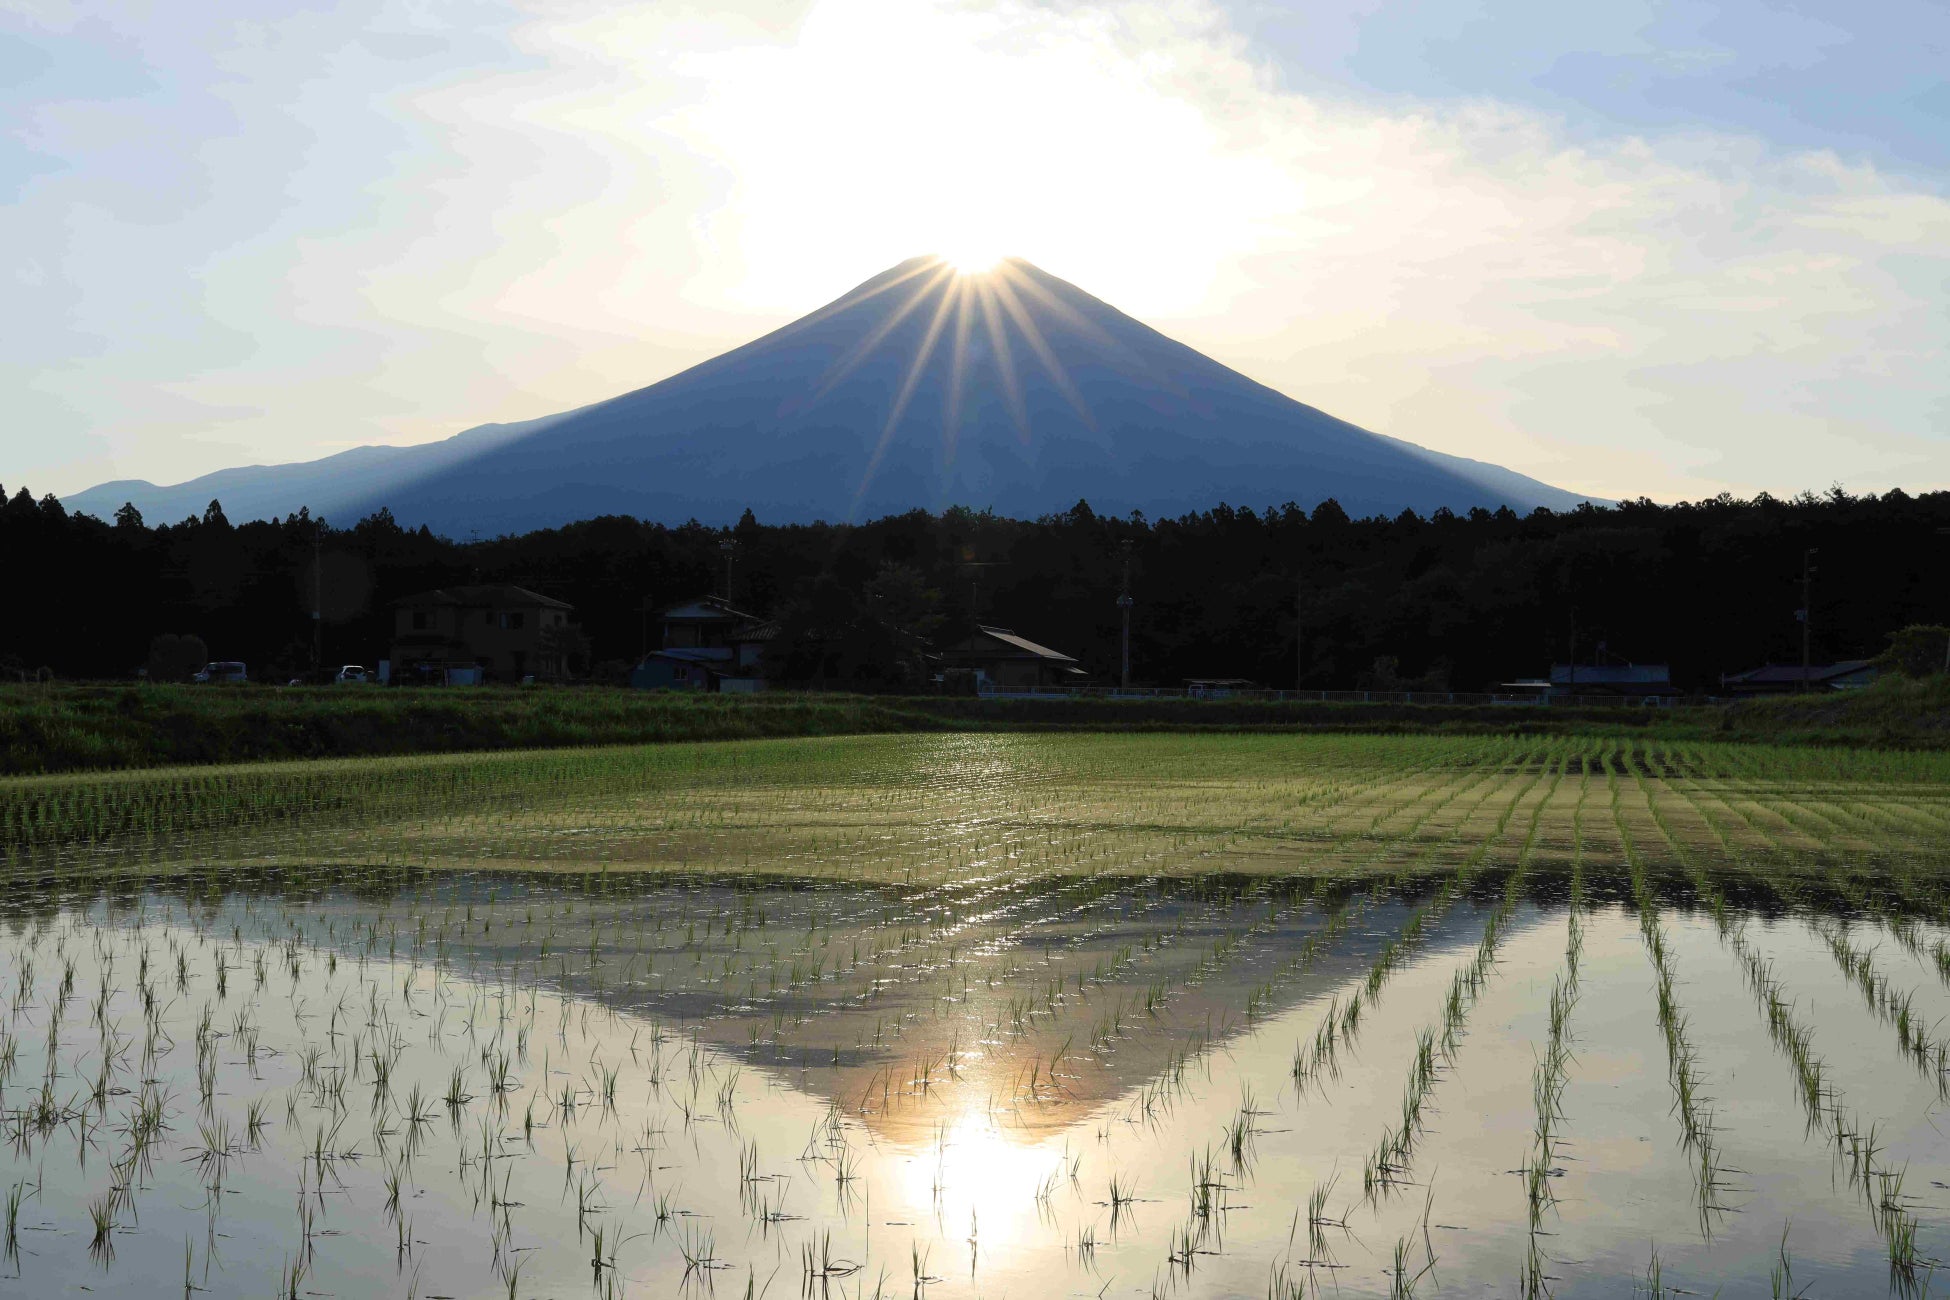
972	257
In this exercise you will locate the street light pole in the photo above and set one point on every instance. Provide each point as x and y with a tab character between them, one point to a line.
1124	603
729	547
1807	610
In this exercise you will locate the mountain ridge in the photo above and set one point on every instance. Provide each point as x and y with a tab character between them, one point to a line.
920	387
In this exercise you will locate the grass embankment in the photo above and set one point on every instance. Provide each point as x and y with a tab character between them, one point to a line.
78	728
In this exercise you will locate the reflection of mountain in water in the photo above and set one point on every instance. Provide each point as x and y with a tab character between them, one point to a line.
1047	1001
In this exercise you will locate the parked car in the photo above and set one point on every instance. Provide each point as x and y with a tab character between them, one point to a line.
226	670
352	675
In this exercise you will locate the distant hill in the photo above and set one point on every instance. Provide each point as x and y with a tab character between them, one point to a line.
1011	390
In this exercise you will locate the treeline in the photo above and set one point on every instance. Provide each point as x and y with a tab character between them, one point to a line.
1280	596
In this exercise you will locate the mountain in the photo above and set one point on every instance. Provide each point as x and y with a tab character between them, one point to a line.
1009	389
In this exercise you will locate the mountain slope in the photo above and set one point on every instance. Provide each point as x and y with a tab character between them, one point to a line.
1011	390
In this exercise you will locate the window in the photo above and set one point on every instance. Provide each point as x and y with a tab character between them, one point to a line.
419	621
512	621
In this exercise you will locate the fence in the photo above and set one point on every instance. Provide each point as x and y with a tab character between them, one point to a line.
1527	699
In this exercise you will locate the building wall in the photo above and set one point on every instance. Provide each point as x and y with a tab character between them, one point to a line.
507	651
669	675
1018	674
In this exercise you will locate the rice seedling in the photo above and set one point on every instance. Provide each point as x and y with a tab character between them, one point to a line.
944	948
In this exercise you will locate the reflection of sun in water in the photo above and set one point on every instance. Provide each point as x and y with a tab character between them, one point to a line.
972	1165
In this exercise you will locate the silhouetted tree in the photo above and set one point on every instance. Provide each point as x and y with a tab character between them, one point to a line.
1708	586
174	658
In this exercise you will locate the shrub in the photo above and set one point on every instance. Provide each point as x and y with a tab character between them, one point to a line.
1919	650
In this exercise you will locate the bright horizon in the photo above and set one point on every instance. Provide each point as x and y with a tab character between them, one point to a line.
267	243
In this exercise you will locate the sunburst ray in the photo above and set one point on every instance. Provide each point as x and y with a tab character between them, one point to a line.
906	394
860	351
958	371
1005	362
1044	353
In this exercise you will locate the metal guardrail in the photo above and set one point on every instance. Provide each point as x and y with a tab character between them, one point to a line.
1350	697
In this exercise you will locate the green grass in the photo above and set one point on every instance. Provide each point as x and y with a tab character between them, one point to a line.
62	728
80	728
905	809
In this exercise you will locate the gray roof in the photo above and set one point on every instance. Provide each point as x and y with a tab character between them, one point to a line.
1024	644
706	655
718	607
1611	674
1769	673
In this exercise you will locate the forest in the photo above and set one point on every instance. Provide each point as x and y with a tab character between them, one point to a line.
1281	596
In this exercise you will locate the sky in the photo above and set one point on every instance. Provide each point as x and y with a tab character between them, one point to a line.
1660	249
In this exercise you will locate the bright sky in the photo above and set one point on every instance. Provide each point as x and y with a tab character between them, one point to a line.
1632	248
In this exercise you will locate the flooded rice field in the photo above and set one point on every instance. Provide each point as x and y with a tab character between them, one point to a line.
1518	1018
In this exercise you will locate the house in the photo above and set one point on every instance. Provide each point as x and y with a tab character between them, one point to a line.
1777	679
1633	681
703	622
1003	661
707	646
505	631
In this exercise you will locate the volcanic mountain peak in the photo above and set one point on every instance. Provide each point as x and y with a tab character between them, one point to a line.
923	387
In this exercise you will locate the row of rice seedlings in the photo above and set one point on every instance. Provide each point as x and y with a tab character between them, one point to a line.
1388	1165
1315	1061
1697	1128
1548	1082
1930	1055
1855	1148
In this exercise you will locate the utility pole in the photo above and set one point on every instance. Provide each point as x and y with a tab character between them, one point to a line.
317	599
1942	532
1572	684
1299	633
730	548
1124	603
1807	610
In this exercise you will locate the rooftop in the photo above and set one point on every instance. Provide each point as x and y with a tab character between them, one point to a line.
499	593
1024	644
1770	674
706	608
1611	674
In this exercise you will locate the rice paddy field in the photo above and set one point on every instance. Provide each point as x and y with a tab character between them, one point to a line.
983	1015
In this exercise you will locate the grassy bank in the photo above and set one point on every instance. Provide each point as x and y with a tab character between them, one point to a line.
78	728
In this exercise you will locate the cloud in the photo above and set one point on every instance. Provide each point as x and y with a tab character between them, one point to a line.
383	227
